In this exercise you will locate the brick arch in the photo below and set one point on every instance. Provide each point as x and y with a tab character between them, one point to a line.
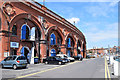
72	36
79	42
33	20
56	29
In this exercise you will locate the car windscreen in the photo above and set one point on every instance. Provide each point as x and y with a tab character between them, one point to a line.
57	58
21	58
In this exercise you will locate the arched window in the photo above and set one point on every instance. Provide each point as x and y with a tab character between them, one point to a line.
32	34
14	30
68	42
53	52
25	32
52	39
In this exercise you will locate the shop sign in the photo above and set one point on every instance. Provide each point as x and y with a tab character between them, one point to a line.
14	44
6	54
79	48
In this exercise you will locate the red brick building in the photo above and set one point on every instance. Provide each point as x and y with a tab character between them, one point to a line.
31	28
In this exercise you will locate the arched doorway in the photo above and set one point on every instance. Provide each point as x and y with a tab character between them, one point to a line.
68	53
54	39
13	52
26	52
70	46
53	52
78	47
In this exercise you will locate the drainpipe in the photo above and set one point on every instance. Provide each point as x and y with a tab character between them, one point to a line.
8	35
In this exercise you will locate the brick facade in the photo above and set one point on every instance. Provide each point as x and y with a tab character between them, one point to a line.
45	22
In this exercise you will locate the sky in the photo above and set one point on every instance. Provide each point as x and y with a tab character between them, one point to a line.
97	20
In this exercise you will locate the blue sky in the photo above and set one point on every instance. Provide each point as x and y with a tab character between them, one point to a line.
97	20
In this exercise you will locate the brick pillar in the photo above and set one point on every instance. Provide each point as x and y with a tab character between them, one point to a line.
85	51
43	53
1	55
82	49
75	50
63	49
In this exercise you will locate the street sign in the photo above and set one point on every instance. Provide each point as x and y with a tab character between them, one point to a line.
6	54
14	44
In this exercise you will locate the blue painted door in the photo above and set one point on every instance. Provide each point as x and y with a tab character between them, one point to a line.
52	39
68	42
23	32
53	52
68	53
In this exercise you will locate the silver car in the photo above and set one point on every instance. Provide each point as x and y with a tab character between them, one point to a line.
14	61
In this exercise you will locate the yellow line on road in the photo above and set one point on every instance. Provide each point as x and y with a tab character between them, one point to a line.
44	71
107	70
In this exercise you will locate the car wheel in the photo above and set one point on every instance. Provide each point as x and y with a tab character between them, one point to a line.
59	63
25	67
14	67
46	62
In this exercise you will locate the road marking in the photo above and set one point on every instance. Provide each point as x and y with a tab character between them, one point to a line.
44	70
107	71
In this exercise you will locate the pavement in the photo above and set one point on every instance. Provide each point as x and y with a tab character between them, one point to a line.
88	68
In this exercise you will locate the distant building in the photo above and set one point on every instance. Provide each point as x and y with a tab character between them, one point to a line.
104	50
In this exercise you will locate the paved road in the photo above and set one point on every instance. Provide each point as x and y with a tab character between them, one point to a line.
88	68
93	68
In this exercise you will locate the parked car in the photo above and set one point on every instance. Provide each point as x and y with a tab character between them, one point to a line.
79	57
63	56
88	56
14	61
117	58
93	56
54	60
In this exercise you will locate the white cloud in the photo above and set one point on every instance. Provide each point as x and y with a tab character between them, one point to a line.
114	3
72	20
101	9
110	32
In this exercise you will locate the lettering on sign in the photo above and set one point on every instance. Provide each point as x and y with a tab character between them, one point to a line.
14	44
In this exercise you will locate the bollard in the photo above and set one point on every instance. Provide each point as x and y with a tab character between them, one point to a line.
115	68
111	60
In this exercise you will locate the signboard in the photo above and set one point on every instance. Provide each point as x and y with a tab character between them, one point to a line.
14	44
79	48
6	54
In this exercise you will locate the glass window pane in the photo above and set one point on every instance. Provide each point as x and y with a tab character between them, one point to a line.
23	32
52	39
